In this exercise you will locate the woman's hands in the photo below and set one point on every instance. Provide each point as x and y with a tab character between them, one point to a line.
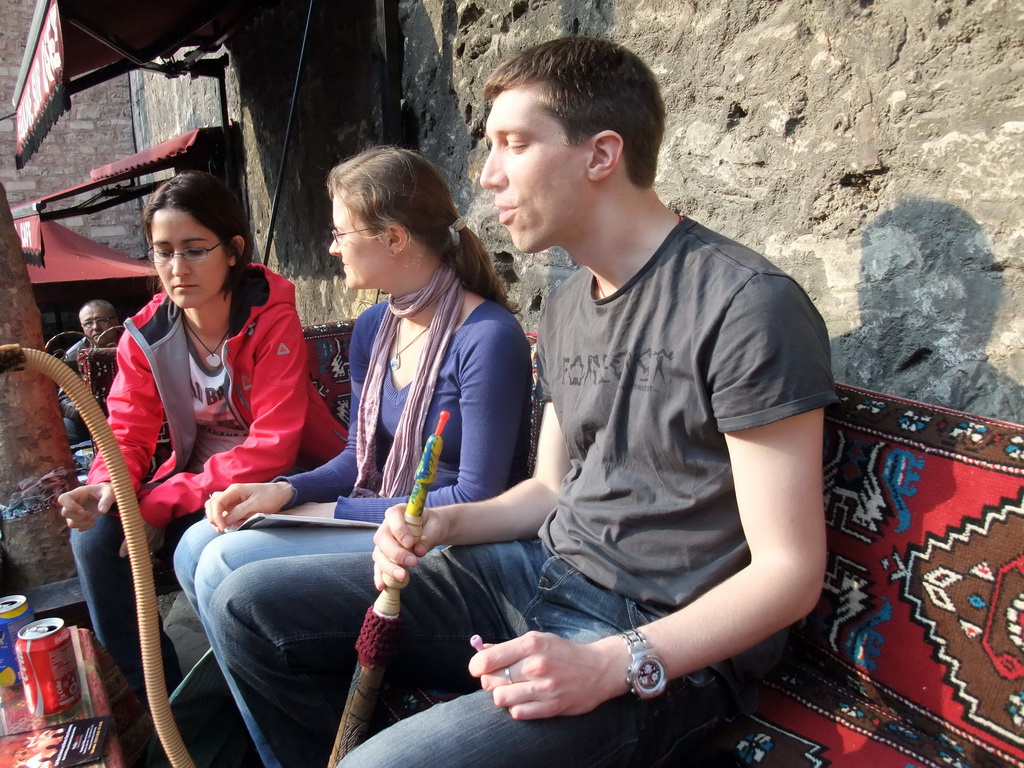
82	505
240	501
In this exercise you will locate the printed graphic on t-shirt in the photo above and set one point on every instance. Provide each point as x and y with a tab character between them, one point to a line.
643	371
213	414
217	429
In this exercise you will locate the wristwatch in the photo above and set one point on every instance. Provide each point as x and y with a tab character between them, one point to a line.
645	675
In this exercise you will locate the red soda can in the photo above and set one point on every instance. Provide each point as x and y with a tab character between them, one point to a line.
15	613
49	671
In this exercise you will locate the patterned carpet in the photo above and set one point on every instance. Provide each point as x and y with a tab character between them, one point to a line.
914	655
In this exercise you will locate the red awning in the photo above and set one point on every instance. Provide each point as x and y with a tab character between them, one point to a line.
75	44
197	145
71	257
196	149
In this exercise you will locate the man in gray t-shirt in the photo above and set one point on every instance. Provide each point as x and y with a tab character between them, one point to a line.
628	596
646	382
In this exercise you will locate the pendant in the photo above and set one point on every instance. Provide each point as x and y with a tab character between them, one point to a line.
395	363
213	360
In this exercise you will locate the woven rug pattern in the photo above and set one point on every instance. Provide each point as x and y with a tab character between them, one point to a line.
914	655
327	347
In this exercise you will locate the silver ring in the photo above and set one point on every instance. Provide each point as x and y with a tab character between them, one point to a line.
508	675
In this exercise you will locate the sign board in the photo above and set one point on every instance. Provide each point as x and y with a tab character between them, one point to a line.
43	96
31	239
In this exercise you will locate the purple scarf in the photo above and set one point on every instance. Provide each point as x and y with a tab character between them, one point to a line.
400	467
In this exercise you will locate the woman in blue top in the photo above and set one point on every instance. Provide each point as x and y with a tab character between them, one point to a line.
445	340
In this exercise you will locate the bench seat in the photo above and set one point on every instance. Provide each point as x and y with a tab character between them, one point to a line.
914	655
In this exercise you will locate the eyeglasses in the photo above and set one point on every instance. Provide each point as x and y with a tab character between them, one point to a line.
338	235
97	321
195	253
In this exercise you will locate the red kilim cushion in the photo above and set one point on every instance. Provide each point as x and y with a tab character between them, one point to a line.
914	655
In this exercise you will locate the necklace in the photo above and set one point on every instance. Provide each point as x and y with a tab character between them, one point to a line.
396	362
212	359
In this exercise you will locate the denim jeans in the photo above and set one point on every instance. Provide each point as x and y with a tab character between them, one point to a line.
205	557
77	431
286	631
107	586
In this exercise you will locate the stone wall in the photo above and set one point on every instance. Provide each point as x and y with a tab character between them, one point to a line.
336	114
872	149
96	131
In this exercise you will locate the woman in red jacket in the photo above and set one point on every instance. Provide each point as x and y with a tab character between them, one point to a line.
219	355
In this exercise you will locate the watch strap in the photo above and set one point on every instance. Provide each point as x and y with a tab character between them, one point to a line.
638	647
635	640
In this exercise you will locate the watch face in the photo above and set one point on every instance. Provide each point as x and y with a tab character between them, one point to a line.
650	676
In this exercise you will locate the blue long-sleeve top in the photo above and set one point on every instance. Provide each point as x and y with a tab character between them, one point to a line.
484	383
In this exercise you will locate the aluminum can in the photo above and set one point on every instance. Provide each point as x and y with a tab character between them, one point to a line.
49	671
15	613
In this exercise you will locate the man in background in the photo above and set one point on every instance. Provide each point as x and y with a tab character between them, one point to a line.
96	317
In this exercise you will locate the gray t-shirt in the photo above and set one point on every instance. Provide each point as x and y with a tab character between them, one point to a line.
709	337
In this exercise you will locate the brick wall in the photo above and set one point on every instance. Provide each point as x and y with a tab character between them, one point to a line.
96	131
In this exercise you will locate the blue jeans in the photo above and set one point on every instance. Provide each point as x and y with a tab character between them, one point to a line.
107	586
77	431
286	631
205	557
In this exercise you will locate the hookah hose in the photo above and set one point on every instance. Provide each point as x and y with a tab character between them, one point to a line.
15	358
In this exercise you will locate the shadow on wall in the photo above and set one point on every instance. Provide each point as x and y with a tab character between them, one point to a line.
928	299
587	18
434	71
335	116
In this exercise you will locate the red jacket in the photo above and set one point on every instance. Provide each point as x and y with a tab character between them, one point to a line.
269	390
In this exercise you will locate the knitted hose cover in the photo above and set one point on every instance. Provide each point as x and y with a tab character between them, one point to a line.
378	639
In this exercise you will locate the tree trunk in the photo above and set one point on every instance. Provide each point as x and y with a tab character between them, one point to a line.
34	451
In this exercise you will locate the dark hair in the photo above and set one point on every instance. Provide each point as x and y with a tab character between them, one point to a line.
592	85
210	202
384	186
